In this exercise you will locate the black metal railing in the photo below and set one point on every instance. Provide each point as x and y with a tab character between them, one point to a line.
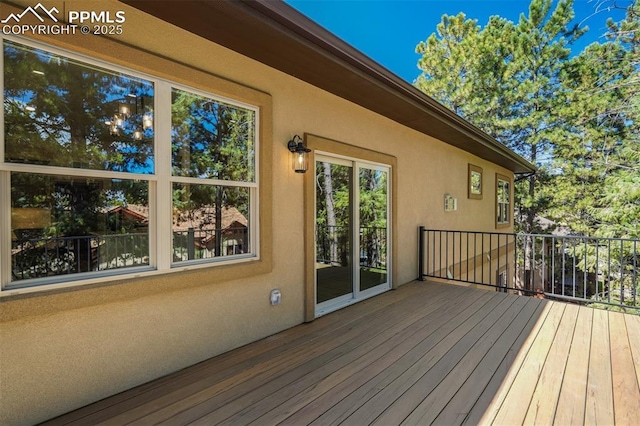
574	268
373	247
194	244
333	248
45	257
332	245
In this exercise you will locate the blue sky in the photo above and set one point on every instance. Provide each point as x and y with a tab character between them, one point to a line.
389	30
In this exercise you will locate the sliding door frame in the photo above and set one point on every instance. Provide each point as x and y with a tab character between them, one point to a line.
356	294
361	157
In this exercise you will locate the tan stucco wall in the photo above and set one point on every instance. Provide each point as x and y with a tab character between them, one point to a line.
61	351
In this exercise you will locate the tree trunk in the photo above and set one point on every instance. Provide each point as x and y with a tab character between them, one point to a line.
332	231
529	266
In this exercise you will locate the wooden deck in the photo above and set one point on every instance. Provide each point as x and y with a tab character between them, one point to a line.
426	353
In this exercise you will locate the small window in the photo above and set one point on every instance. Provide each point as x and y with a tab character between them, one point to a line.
474	184
503	201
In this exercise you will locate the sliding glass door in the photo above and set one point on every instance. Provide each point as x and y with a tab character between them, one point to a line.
352	231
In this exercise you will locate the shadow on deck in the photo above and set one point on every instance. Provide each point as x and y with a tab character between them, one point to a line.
425	353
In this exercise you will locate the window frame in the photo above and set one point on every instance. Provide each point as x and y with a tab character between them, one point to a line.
506	179
160	202
471	169
254	238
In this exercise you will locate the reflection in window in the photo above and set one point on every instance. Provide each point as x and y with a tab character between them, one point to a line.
66	225
373	227
209	221
211	139
211	142
72	222
61	112
503	204
334	230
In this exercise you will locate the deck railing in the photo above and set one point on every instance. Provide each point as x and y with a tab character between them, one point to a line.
194	244
332	245
45	257
574	268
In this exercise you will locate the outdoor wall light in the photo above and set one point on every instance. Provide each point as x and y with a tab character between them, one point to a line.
299	153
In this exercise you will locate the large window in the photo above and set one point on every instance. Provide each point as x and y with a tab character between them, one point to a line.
90	175
503	201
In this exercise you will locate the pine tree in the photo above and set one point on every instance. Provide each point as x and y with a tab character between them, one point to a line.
506	81
597	163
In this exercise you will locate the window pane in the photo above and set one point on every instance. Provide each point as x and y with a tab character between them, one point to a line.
334	230
209	221
61	112
67	225
211	139
503	191
373	227
476	183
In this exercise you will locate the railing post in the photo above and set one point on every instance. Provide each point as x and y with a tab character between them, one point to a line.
191	244
421	253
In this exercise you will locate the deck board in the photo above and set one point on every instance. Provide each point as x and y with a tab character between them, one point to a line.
426	353
573	394
255	403
514	409
599	405
633	329
430	375
341	383
625	385
206	395
494	394
442	395
342	400
434	349
542	407
469	393
219	406
463	336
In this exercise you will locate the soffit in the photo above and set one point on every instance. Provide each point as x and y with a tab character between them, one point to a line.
277	35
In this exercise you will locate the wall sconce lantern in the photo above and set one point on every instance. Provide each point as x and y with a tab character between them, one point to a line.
300	154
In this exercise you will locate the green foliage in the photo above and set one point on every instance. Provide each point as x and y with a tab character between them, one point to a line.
505	78
334	214
597	164
56	109
211	140
577	119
